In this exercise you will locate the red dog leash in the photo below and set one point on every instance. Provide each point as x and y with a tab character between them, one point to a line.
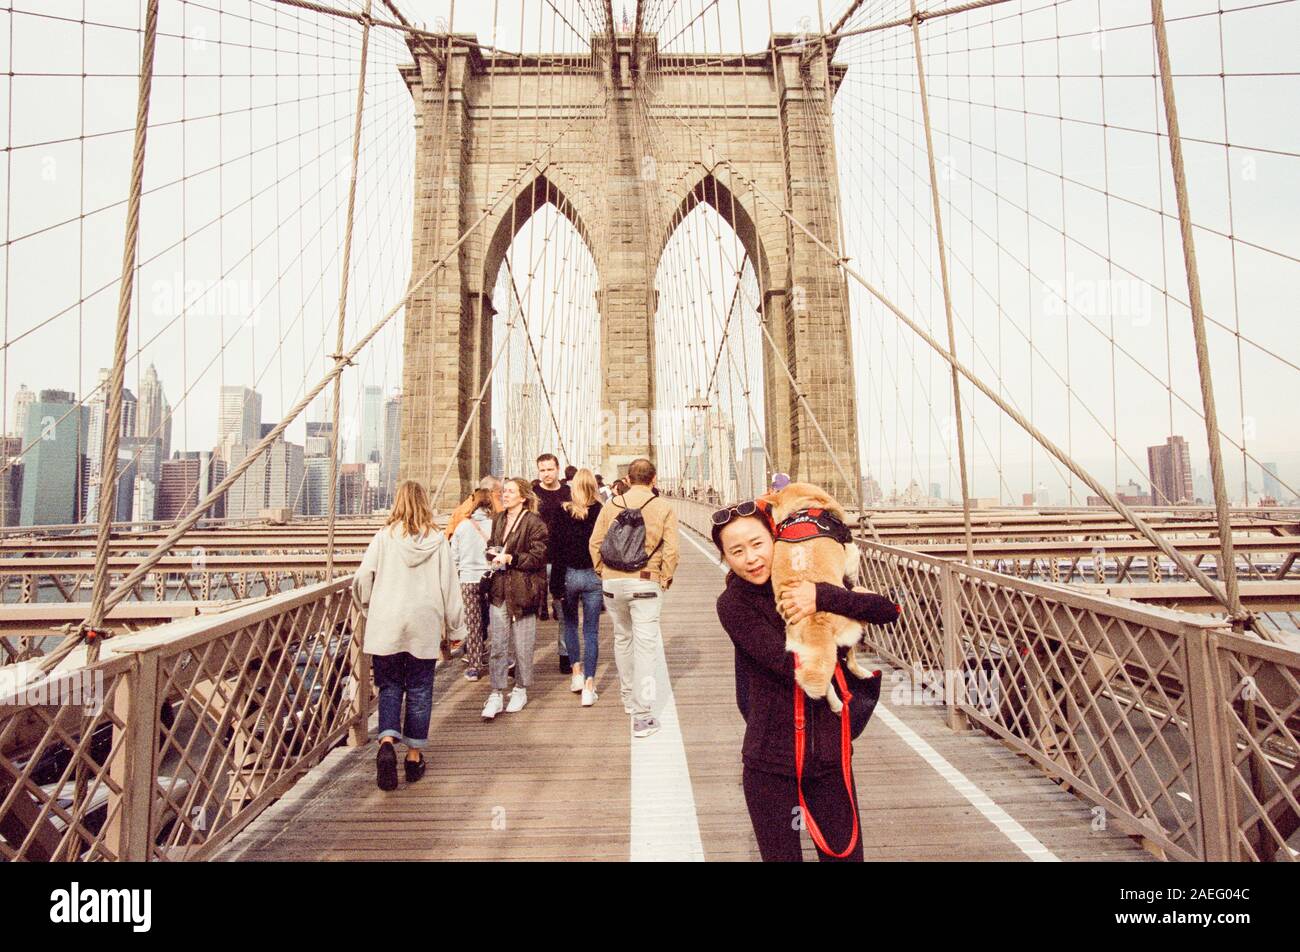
846	757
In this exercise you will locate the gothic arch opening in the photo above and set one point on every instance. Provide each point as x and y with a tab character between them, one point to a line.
544	323
710	431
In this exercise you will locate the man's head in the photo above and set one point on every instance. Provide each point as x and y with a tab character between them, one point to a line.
548	470
491	483
569	472
641	472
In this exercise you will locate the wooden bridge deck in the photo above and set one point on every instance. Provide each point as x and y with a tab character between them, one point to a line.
557	781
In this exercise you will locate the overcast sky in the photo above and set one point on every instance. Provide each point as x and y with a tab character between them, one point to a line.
1051	176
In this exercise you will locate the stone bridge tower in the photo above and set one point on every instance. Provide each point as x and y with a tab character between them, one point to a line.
762	126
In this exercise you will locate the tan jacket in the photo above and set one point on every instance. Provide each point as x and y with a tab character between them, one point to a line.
660	523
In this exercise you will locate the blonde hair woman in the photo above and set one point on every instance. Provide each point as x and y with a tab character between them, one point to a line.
571	546
517	549
407	588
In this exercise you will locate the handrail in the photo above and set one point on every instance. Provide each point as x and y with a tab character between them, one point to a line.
181	734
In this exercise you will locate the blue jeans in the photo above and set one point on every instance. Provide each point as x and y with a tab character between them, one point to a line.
583	585
399	675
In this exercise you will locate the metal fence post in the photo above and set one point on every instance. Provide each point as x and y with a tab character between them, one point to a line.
952	649
359	732
1210	746
130	812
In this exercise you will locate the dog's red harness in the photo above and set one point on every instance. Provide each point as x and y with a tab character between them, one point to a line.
812	524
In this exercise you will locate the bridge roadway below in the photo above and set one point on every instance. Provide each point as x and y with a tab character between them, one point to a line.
560	782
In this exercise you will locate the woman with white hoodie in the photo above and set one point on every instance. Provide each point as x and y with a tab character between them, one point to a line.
407	589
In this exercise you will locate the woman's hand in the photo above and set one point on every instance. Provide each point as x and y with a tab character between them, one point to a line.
502	558
798	601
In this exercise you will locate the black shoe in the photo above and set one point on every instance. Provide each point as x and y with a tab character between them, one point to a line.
566	666
414	770
386	767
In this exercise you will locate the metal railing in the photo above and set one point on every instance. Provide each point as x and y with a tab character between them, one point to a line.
1177	729
183	734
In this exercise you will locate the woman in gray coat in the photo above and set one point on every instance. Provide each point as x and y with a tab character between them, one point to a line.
407	588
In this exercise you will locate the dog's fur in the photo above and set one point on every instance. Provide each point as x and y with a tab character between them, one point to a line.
814	640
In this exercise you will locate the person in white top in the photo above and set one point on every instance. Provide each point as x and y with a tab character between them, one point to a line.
407	590
469	547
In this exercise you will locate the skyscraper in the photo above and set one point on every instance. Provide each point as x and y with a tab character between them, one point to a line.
313	500
153	416
370	443
145	500
52	472
240	417
1272	481
184	482
392	444
271	482
498	455
318	438
753	472
1170	468
23	400
96	410
11	481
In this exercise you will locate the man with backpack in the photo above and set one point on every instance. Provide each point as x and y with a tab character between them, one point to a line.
634	551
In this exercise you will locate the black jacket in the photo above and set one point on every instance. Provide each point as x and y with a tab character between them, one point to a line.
522	585
765	673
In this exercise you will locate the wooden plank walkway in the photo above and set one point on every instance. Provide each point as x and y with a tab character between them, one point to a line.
555	781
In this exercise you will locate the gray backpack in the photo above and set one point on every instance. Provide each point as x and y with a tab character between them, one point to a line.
623	547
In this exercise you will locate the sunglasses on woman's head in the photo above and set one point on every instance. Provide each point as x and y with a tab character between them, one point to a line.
724	515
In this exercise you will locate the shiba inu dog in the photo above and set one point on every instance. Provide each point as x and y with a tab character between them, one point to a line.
813	545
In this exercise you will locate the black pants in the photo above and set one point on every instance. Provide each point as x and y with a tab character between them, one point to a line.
773	802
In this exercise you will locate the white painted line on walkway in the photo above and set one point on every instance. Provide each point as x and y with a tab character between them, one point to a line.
665	826
1017	834
707	554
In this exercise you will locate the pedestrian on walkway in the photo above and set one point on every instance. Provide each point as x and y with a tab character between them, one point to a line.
406	588
461	512
469	548
582	588
634	551
765	686
517	548
551	494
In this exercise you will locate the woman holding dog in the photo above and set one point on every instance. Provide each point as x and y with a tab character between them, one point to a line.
765	692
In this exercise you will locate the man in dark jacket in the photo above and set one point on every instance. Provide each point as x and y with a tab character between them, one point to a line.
551	495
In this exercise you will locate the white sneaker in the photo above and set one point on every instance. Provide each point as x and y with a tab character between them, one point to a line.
518	698
576	682
493	706
589	696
